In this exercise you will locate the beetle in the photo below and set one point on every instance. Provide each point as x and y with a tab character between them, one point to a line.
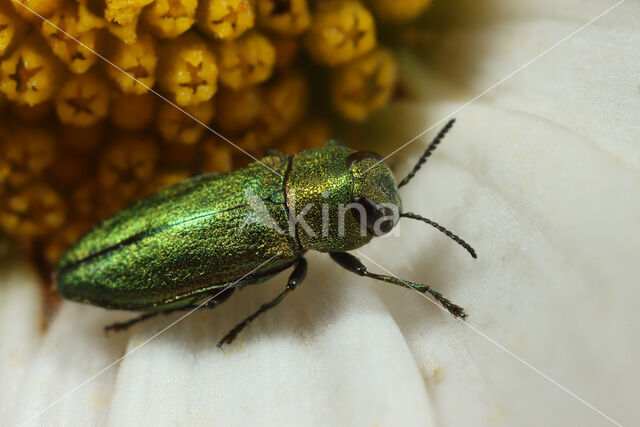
202	238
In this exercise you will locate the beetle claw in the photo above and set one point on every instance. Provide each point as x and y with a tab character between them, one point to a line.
455	310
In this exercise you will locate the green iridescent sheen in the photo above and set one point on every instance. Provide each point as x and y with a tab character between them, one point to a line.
181	244
326	177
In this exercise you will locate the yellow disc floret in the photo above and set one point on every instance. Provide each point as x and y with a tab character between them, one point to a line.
89	16
365	85
33	10
26	156
287	17
128	162
138	61
12	28
177	127
238	110
188	72
170	18
122	17
217	155
225	19
74	47
32	211
30	74
341	31
123	12
284	104
83	100
246	61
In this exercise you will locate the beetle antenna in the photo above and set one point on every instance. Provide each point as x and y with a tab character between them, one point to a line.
454	237
430	149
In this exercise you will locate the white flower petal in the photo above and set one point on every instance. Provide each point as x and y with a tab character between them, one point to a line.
74	349
329	352
21	323
553	282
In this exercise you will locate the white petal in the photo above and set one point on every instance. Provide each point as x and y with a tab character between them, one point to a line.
21	324
62	379
329	352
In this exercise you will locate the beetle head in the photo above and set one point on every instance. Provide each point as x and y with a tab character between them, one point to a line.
375	201
349	198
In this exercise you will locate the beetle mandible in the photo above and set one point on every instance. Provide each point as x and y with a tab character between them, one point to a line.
192	242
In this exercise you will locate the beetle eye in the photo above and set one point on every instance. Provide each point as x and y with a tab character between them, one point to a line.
361	155
376	219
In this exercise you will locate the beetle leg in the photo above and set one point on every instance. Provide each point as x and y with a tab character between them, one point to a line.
295	279
122	326
354	265
212	303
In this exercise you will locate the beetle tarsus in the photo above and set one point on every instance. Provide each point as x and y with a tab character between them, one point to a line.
232	334
455	310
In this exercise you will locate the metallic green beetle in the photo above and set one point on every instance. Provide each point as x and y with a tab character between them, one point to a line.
190	245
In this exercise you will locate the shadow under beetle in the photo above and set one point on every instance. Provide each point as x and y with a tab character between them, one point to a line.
192	242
